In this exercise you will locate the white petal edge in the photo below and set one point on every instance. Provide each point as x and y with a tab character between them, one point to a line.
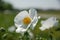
33	15
35	20
42	28
19	17
50	22
17	25
20	30
32	12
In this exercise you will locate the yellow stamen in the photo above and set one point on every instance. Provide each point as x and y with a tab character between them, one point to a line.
26	20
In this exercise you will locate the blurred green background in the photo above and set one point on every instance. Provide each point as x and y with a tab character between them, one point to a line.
7	14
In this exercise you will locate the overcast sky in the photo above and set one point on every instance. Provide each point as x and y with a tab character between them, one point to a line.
39	4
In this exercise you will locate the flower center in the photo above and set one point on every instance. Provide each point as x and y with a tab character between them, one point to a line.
26	20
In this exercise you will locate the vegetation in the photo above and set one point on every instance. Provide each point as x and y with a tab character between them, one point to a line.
7	20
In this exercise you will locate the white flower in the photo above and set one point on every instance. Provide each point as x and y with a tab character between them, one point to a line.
50	22
24	20
11	29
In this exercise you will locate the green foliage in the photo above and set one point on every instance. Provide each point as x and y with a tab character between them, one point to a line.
5	6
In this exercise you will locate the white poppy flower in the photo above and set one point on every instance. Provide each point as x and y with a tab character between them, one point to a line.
24	20
50	22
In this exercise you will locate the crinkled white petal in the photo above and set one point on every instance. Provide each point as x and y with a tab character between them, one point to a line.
11	29
20	30
18	25
32	13
24	30
18	19
42	28
50	22
35	20
47	26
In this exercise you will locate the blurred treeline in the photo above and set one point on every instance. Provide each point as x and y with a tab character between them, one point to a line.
6	7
